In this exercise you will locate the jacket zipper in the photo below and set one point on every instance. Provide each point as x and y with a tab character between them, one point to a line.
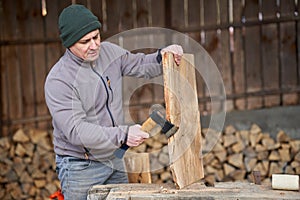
107	93
86	153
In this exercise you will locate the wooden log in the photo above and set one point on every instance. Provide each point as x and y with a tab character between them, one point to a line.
240	145
245	136
250	152
262	155
295	146
20	150
255	129
274	155
138	167
228	169
221	155
274	169
218	147
238	175
297	170
219	175
297	157
284	155
282	137
250	163
229	130
268	142
259	167
236	160
260	148
265	164
229	140
209	157
182	110
216	164
20	136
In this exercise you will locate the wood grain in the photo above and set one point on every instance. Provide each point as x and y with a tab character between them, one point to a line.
182	110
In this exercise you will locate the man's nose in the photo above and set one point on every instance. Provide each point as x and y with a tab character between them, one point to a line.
93	44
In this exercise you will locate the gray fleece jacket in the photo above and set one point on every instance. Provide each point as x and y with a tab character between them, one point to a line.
85	100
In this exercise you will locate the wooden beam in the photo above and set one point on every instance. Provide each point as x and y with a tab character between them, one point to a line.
182	110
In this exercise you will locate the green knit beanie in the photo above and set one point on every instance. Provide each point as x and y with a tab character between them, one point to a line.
74	22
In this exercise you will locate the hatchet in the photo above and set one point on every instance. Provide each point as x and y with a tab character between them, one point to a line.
155	119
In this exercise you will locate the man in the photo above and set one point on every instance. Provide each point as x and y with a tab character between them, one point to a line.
83	92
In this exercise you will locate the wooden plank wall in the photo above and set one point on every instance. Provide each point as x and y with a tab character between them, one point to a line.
254	43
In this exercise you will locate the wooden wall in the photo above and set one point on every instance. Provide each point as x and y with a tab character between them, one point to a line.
254	43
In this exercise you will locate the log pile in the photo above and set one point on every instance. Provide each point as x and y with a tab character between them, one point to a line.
234	157
27	165
237	154
28	162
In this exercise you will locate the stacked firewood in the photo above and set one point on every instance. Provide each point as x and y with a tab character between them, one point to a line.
28	162
232	155
27	165
238	153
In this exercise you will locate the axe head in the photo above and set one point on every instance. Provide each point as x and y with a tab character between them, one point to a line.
167	127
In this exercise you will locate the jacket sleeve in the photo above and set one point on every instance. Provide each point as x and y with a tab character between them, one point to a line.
134	64
141	65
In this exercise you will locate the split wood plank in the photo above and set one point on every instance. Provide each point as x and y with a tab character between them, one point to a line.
182	110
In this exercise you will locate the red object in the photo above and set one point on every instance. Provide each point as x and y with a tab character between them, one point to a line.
57	195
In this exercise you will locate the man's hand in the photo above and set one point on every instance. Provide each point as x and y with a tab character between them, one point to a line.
176	50
136	136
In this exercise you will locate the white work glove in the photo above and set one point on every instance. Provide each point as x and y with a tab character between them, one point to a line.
176	50
136	136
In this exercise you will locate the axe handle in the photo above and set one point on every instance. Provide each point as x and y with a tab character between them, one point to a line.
148	125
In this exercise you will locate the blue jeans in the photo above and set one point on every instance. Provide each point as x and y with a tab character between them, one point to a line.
77	176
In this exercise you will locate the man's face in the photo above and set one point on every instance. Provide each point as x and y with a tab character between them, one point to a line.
88	47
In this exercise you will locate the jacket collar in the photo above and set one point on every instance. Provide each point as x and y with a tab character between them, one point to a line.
77	60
